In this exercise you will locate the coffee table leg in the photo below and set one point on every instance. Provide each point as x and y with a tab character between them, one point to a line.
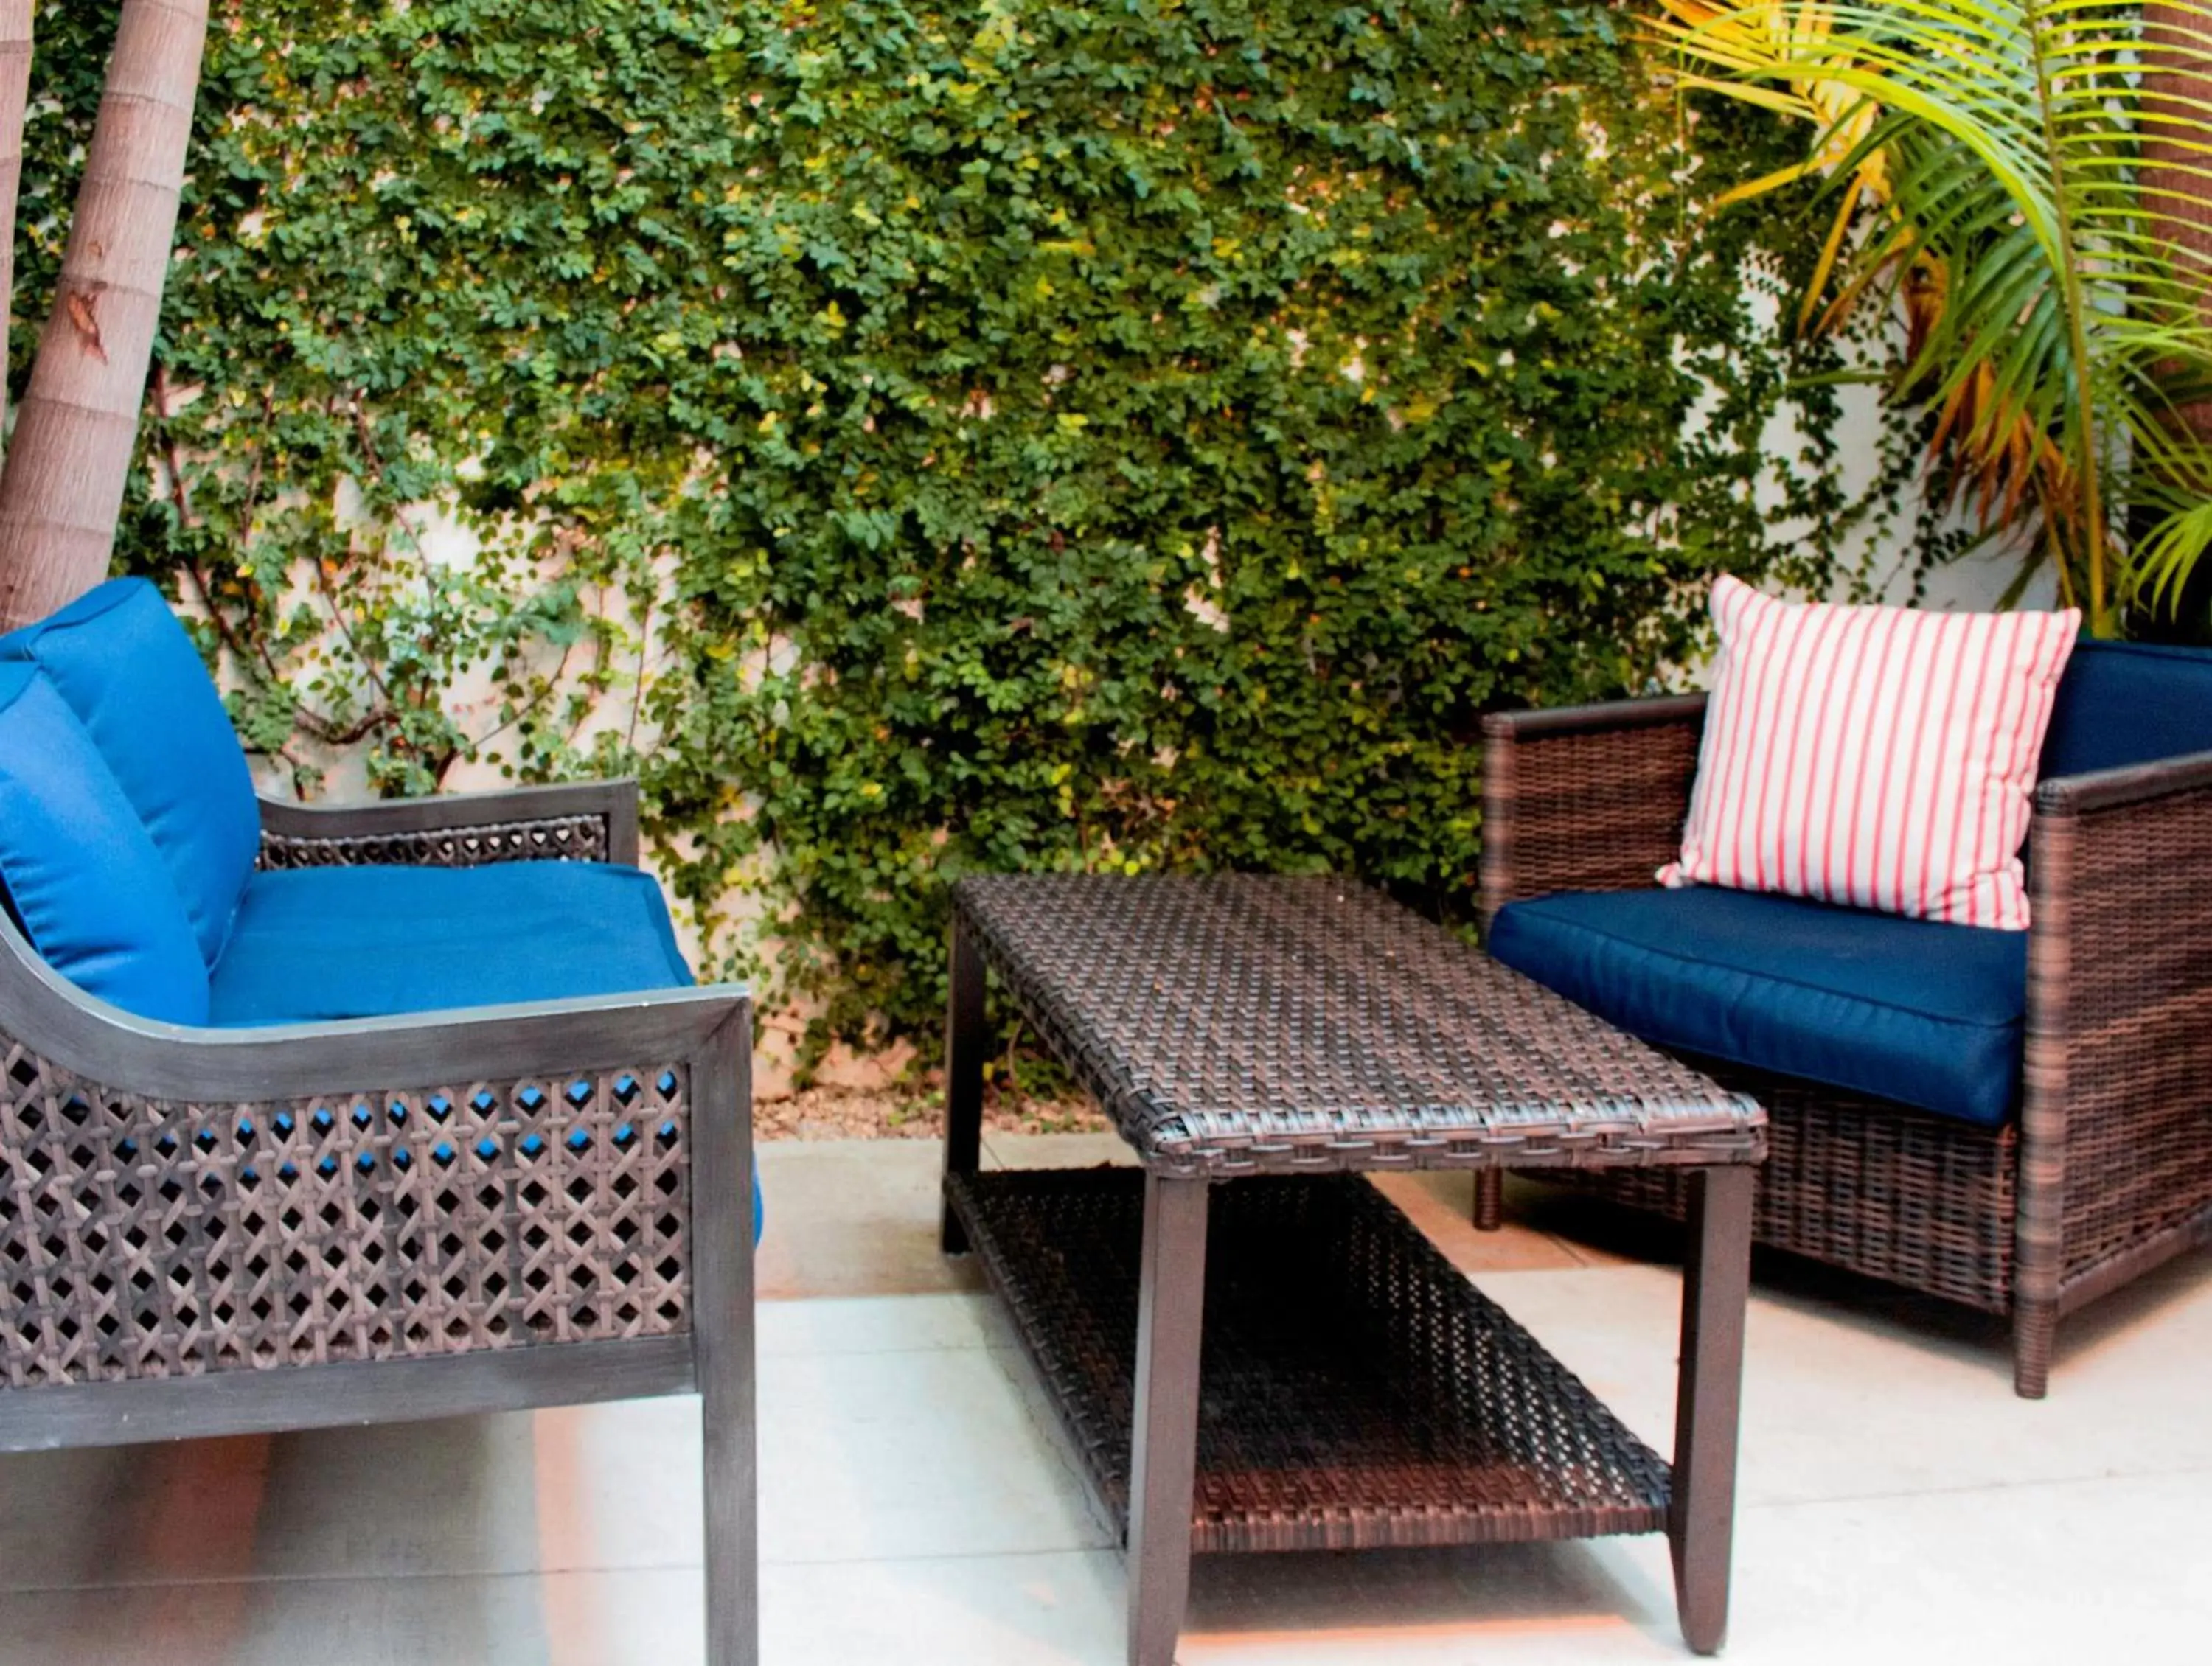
1170	1309
1716	1282
967	1039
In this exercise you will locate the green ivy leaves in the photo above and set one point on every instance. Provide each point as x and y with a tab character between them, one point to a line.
923	438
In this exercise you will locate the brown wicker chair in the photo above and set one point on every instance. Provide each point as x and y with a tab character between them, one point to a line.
220	1232
2106	1173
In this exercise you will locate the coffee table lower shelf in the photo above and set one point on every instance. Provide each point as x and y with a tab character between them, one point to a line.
1357	1392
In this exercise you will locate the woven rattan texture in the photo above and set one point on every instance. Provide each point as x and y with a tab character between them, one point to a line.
1856	1183
143	1239
2124	1057
1591	810
561	837
1243	1024
1893	1193
1359	1391
2136	1000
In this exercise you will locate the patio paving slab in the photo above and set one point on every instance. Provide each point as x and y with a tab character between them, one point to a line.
1841	1402
1952	1577
919	1505
1984	1575
909	1428
853	1218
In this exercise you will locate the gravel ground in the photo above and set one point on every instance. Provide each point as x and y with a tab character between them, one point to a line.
847	1113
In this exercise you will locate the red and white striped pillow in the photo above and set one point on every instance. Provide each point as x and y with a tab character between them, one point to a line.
1881	757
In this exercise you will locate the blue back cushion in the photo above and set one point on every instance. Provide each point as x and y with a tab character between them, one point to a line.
2129	703
117	656
83	876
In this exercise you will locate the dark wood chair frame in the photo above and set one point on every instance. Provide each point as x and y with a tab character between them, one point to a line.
135	1084
2105	1173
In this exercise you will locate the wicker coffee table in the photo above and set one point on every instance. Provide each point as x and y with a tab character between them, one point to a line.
1358	1391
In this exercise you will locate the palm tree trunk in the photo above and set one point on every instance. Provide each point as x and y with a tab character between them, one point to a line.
77	431
14	99
2177	94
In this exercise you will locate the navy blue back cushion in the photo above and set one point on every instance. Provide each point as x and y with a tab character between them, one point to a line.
83	876
117	656
2128	703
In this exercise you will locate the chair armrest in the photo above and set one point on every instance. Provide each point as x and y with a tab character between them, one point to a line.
188	1202
579	821
2117	1115
1585	797
2116	788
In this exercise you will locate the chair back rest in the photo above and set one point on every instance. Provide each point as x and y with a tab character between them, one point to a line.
130	673
2128	703
81	875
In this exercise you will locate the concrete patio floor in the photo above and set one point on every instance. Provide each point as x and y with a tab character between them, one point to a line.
919	1507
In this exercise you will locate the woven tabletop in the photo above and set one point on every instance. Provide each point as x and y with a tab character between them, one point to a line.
1244	1023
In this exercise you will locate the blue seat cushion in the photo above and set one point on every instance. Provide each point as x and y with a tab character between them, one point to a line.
132	675
316	943
311	944
82	877
2128	703
1925	1013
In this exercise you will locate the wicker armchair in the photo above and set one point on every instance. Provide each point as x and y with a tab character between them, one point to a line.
2107	1170
209	1232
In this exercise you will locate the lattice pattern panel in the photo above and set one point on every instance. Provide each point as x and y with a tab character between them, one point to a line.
143	1239
549	839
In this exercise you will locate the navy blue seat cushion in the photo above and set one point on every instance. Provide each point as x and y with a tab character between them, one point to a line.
132	675
315	943
1926	1014
82	877
2128	703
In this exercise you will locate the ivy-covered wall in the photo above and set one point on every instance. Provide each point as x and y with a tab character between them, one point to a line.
925	437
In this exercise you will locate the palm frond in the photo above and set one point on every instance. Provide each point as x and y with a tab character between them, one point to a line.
2016	174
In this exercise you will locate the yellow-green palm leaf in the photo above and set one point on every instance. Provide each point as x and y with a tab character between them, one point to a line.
2029	169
